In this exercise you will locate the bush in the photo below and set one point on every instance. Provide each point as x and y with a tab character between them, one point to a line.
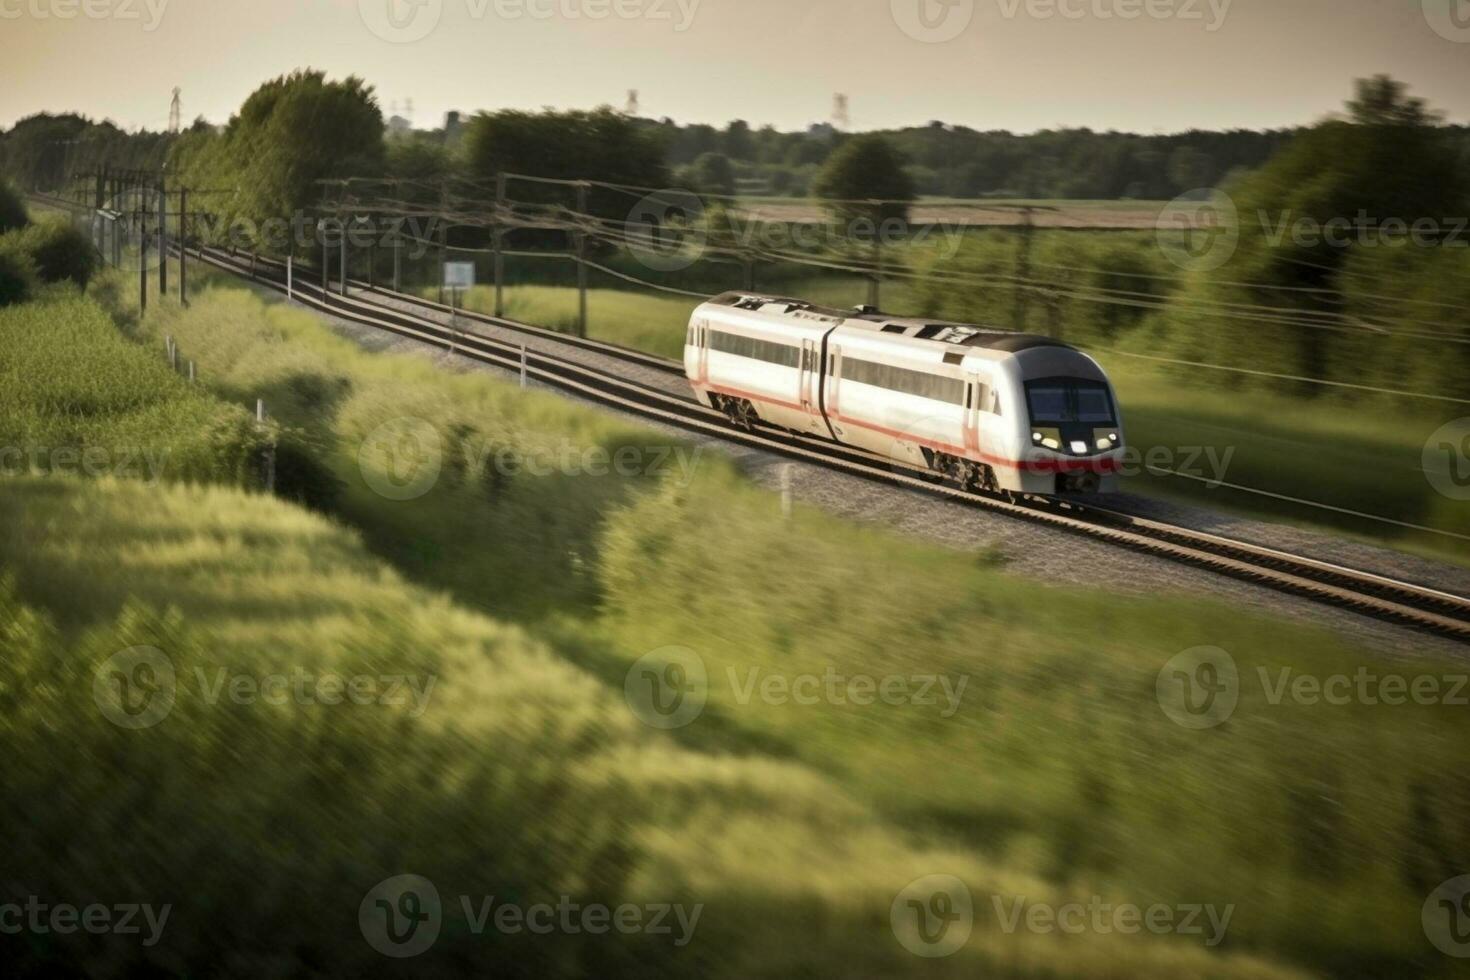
12	209
60	251
17	277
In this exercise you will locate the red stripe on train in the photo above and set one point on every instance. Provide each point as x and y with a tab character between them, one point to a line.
1102	467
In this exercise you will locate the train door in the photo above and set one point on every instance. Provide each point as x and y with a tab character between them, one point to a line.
975	392
701	338
807	372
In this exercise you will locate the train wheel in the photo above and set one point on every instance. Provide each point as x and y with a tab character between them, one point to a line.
742	414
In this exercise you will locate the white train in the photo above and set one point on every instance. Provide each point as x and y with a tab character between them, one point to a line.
1006	412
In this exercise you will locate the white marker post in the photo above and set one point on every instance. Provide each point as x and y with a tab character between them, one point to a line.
289	270
457	276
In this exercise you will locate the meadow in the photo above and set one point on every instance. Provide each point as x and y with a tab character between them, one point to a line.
1057	774
519	773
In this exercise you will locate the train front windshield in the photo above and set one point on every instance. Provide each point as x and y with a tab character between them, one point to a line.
1063	401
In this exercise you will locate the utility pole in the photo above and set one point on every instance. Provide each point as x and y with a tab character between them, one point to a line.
443	234
397	258
875	285
183	244
372	250
582	261
342	268
499	243
1023	269
142	252
162	240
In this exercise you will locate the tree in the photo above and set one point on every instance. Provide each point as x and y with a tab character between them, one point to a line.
601	145
1382	101
290	134
737	141
865	168
714	175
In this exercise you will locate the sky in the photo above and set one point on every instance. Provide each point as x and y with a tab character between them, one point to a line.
1136	65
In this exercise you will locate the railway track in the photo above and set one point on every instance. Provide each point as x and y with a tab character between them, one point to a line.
1379	596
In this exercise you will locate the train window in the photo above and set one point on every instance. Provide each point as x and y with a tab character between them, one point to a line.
921	383
1069	400
752	347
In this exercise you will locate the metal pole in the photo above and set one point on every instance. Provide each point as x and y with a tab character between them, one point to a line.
582	263
343	269
183	244
162	241
1023	270
269	476
523	365
289	270
372	251
443	237
397	260
326	259
142	253
499	236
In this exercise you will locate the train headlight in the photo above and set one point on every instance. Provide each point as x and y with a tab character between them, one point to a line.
1047	438
1079	447
1107	440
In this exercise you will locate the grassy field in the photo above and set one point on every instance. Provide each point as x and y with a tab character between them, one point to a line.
1057	772
525	775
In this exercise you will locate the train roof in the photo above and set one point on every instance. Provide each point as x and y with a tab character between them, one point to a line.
936	331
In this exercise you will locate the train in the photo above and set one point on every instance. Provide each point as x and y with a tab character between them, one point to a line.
1008	413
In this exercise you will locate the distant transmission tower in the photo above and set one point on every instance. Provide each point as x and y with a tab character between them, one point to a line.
840	117
175	113
632	109
408	110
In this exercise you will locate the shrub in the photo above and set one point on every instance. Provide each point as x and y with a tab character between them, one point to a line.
60	251
17	276
12	209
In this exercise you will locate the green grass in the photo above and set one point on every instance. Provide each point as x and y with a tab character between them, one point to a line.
522	774
1325	826
108	405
